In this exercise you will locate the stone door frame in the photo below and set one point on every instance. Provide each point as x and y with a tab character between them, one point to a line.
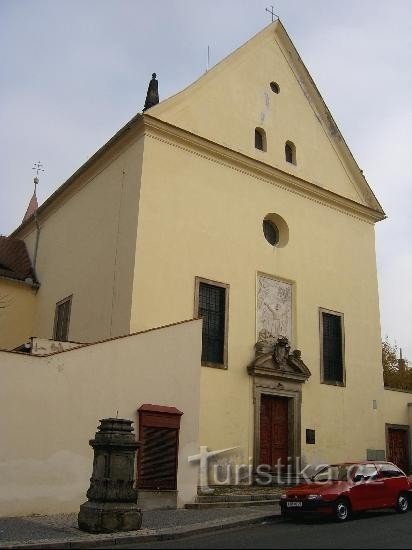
291	391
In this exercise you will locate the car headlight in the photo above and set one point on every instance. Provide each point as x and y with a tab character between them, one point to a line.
313	497
283	496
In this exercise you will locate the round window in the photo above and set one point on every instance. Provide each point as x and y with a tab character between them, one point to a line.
271	232
274	86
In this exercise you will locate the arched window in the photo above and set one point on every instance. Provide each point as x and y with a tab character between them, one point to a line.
260	139
290	152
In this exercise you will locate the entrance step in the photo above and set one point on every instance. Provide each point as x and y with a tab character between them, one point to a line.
237	498
199	505
281	481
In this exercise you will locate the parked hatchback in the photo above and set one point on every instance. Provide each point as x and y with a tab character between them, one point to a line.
341	489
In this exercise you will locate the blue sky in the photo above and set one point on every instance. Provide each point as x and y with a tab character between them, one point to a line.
73	72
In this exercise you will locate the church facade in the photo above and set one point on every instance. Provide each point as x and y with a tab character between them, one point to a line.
236	200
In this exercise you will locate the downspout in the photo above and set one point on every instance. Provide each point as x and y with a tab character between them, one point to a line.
36	245
36	221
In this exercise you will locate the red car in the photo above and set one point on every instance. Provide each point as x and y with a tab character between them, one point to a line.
341	489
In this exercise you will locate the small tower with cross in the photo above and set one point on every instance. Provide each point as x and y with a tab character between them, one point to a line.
33	204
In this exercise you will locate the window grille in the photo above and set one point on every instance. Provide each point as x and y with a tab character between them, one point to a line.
332	348
62	320
212	300
271	232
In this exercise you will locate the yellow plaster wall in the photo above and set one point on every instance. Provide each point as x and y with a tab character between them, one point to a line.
396	407
17	315
51	406
226	105
200	217
86	248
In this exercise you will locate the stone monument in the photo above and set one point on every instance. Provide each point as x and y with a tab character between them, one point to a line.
112	497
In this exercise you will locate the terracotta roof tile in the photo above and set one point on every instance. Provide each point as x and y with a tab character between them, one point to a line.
14	260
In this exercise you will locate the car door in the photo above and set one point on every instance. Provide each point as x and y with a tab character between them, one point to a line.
395	482
368	488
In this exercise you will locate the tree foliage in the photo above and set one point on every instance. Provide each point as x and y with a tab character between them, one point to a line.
396	372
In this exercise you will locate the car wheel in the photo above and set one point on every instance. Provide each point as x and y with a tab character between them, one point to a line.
402	503
342	510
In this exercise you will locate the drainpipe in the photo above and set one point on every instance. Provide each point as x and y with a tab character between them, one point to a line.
36	221
36	245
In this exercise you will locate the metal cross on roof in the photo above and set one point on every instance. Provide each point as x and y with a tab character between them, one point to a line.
38	167
272	13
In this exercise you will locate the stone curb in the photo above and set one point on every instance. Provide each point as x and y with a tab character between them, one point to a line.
230	504
151	535
238	498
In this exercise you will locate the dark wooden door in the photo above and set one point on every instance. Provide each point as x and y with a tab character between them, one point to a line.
398	448
274	430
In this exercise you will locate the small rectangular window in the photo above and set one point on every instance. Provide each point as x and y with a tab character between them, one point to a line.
310	437
332	348
62	320
211	304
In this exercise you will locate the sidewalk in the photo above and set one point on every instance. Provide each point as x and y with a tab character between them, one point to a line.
61	531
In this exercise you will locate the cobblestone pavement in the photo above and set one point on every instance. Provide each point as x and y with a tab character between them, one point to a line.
64	526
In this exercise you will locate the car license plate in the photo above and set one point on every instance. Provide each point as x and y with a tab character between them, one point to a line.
294	504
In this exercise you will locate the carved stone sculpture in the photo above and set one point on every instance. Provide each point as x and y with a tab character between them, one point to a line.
273	357
112	497
152	96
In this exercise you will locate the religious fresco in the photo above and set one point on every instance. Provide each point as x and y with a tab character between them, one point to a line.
273	308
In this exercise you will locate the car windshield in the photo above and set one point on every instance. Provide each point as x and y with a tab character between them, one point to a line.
337	472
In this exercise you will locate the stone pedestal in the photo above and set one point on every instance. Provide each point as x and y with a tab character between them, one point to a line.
112	497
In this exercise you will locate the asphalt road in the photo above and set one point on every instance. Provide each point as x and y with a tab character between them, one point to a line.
373	530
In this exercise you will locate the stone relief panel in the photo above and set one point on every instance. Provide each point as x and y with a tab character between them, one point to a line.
274	308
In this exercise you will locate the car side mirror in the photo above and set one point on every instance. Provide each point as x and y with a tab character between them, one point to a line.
358	478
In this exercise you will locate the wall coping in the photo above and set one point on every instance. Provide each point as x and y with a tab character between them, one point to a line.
88	344
399	390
